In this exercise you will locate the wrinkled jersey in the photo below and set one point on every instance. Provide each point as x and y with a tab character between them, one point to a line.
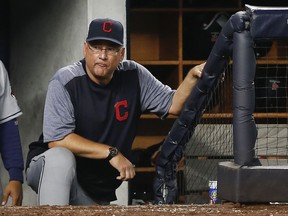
9	108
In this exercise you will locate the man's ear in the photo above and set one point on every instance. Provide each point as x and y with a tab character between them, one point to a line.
122	53
84	48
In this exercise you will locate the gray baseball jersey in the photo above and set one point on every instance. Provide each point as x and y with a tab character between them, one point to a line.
9	108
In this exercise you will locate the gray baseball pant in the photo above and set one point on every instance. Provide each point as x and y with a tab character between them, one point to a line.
52	175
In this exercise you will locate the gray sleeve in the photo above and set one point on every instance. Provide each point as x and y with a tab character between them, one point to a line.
155	96
59	118
9	108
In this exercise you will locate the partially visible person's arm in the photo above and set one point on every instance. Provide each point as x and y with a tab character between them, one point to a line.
185	89
11	153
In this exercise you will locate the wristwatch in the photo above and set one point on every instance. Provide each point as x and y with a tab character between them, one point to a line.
112	153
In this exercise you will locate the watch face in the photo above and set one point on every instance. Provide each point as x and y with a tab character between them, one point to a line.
113	152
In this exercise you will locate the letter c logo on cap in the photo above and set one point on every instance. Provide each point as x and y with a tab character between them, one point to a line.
107	26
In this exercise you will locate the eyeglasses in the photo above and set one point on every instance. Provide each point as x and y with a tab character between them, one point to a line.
97	49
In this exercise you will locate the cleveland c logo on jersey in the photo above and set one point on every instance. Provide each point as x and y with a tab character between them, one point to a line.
121	110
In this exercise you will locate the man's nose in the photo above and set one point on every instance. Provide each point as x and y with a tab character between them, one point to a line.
103	53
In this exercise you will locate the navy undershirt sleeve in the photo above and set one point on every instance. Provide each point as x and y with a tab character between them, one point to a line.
11	150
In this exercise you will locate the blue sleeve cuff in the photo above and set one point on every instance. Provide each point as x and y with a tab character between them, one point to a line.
11	149
16	174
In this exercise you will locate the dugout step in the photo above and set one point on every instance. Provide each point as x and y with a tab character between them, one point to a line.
255	184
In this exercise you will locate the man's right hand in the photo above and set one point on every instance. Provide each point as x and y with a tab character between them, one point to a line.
124	166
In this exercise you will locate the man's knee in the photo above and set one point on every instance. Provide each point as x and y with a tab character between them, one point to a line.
59	157
55	163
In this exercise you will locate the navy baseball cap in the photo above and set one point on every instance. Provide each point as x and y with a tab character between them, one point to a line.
105	29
